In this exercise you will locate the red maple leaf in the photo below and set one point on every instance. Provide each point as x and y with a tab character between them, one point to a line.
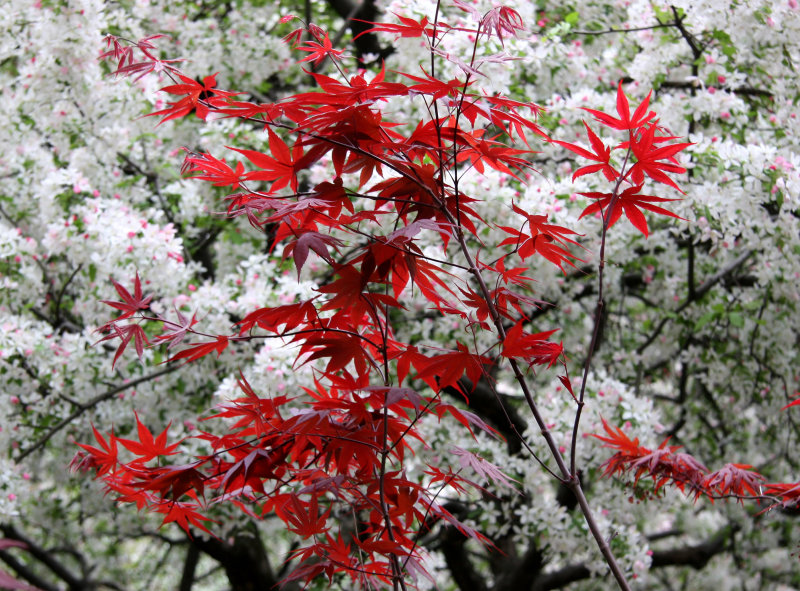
320	50
649	157
213	170
171	482
102	459
185	514
601	154
625	122
628	202
175	332
281	168
447	369
533	348
195	351
125	333
548	240
129	304
196	96
735	479
302	518
315	241
289	316
483	468
148	447
408	27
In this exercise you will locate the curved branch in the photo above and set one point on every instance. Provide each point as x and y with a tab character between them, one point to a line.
463	571
698	293
40	554
694	556
82	408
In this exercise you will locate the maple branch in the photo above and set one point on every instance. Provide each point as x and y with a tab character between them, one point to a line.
398	581
598	312
568	478
83	407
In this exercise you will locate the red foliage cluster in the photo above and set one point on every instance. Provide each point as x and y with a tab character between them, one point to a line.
668	466
338	449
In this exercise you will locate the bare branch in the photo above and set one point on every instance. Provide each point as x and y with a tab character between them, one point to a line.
82	408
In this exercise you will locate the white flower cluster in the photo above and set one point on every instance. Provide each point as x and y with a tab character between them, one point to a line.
699	336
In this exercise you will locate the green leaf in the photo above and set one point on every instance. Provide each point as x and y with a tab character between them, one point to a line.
704	319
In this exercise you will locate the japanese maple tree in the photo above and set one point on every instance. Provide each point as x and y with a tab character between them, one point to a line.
339	447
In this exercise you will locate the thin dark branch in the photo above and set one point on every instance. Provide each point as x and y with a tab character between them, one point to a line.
43	556
702	290
694	556
25	573
463	571
631	30
82	408
189	567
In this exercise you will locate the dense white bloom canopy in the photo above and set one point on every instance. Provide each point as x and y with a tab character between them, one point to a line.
699	340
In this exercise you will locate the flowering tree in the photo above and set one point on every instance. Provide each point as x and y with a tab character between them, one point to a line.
678	324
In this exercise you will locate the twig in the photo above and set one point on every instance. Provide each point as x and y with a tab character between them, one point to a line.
82	408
